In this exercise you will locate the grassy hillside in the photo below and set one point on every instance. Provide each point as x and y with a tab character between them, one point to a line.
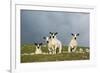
28	49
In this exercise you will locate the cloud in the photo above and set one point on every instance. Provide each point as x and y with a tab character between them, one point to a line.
36	24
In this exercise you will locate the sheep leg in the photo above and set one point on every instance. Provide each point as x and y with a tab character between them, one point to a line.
55	49
74	49
69	49
60	49
50	51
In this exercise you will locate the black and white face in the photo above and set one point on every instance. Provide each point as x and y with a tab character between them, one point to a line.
38	45
46	39
75	35
53	35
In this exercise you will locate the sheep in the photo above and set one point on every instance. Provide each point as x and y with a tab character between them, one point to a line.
48	41
53	43
73	43
38	48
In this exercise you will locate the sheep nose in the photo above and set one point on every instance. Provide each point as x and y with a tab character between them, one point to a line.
50	37
53	36
38	47
75	38
47	41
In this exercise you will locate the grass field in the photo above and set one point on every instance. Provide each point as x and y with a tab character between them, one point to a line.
28	49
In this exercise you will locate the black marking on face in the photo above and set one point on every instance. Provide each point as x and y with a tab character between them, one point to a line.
72	34
40	43
50	37
38	46
53	36
56	33
35	43
44	37
51	33
75	38
77	34
47	41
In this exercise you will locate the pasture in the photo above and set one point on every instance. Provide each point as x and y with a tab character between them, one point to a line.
28	56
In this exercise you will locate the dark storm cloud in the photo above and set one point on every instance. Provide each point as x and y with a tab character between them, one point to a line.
36	24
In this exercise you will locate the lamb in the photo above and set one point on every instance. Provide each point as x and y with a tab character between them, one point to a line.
53	43
38	48
50	47
73	43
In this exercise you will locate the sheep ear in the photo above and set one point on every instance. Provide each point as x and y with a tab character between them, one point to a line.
40	43
50	32
72	34
35	43
44	37
56	33
78	34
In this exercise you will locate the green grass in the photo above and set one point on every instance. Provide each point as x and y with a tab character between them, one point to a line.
30	48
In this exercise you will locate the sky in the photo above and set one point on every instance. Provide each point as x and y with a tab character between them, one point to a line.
36	24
